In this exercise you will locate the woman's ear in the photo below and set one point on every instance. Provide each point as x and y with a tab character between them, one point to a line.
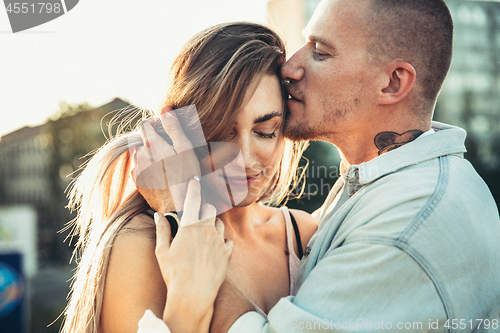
399	81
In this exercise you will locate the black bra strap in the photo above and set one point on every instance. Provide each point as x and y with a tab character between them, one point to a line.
297	236
174	227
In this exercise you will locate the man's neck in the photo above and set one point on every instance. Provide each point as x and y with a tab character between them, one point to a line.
376	143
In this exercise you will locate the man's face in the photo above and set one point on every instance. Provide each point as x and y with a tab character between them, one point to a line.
331	78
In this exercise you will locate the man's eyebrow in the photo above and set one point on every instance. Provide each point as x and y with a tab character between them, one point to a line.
316	39
267	117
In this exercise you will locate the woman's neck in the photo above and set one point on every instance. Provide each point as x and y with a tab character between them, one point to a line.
240	222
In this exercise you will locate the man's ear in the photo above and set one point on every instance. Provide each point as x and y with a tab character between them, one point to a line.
398	82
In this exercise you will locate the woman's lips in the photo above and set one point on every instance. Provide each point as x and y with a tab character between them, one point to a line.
240	182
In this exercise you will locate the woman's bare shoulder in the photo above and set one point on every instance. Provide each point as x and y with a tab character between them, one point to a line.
307	225
141	222
133	282
306	222
303	217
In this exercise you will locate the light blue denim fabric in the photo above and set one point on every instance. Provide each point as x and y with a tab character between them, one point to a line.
418	244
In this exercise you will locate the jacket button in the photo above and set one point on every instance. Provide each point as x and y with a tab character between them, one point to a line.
308	250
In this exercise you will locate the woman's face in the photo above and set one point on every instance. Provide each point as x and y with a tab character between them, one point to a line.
251	154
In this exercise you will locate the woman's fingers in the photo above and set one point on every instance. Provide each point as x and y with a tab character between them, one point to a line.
163	233
192	203
155	146
147	173
219	226
174	130
143	131
208	213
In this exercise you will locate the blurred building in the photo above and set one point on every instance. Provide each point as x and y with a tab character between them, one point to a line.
471	94
470	97
35	164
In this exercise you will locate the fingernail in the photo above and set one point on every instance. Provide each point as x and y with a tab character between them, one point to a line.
195	177
157	218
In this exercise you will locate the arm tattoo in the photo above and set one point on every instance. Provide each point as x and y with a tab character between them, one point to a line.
387	141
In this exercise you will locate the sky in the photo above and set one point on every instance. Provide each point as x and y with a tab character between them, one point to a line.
101	50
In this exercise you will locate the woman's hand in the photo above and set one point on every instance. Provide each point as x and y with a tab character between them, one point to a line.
161	170
193	265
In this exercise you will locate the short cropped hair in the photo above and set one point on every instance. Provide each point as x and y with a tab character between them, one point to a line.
419	32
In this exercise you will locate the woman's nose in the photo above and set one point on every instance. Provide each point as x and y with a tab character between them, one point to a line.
249	154
293	69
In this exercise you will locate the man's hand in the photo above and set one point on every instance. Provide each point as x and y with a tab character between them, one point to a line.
230	304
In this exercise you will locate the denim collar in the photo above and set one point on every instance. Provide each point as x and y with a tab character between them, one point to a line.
447	140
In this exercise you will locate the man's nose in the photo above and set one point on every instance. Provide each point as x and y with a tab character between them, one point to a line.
293	69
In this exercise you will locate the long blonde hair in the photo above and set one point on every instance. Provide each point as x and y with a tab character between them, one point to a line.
215	70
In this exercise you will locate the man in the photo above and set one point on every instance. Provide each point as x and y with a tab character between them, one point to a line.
409	236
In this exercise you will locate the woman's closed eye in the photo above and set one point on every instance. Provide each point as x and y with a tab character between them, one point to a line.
266	135
267	130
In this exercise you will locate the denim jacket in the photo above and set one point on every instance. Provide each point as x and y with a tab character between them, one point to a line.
416	248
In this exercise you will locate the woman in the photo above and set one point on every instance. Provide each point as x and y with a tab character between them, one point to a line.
231	73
